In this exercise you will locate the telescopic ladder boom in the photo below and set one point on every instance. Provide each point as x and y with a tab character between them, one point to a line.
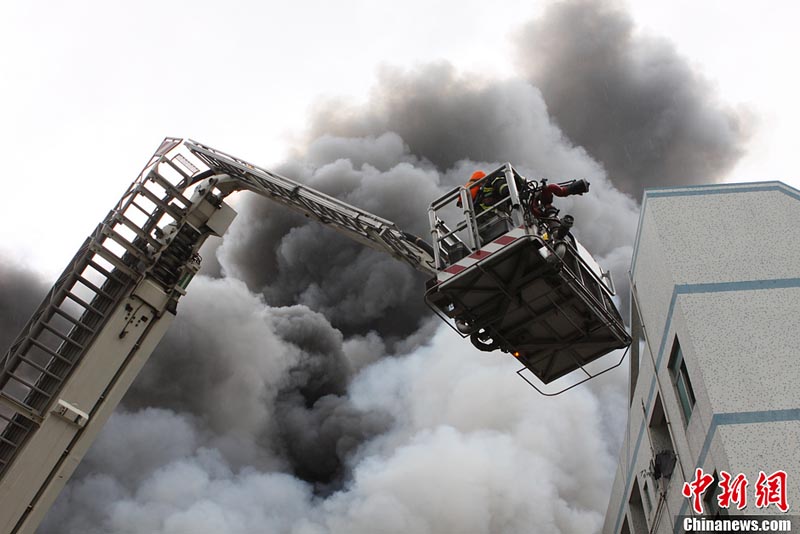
356	223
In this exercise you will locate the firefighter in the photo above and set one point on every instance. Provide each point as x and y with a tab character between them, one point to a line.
492	192
473	189
487	194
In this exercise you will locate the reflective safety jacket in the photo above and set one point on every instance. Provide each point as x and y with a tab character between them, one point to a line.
491	193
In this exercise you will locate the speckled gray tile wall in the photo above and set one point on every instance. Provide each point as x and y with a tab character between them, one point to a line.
767	447
728	237
741	347
746	347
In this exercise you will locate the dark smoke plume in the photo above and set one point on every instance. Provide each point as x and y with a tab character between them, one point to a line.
447	117
631	101
21	291
320	440
292	260
264	384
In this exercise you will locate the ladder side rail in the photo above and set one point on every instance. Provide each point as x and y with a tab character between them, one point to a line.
217	159
291	193
365	227
368	229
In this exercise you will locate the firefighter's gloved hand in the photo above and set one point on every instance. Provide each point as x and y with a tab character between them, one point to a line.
578	187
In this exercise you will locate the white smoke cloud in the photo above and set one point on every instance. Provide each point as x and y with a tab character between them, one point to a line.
483	454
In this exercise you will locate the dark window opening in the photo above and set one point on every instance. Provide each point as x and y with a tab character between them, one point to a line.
710	501
663	460
646	497
680	379
637	346
660	437
636	508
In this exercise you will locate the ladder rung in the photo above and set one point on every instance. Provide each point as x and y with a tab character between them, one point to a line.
171	163
40	368
63	336
112	275
135	228
173	212
29	385
94	288
4	440
50	351
83	303
171	189
73	320
100	269
113	259
124	243
138	207
11	421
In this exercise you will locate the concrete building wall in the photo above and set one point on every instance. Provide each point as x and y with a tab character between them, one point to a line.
716	268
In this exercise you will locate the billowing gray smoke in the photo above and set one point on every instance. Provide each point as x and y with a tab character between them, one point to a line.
291	260
631	101
307	391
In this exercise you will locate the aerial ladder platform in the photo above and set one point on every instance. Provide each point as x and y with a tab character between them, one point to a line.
87	341
512	277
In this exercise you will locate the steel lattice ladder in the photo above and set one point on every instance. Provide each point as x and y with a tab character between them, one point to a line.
121	287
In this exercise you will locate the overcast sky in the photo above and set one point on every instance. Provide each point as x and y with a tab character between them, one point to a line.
89	88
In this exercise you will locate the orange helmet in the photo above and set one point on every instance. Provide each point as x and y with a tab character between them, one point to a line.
477	175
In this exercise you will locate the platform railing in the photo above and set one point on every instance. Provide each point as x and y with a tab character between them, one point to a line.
467	226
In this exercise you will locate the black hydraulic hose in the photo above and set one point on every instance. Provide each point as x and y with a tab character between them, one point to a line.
418	241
